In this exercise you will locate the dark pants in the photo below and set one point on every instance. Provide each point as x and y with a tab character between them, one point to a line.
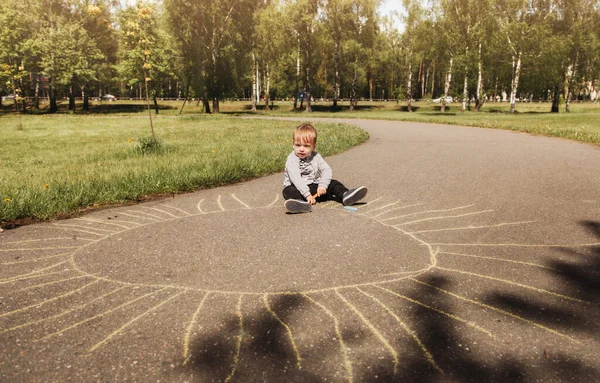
335	191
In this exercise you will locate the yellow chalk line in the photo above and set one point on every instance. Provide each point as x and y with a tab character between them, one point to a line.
47	300
159	218
238	345
188	332
514	284
516	245
61	314
380	208
120	329
84	227
446	217
99	315
498	259
107	223
447	314
176	208
336	324
77	229
48	283
427	212
394	209
199	208
140	217
371	203
42	248
43	240
408	331
33	274
274	201
497	310
219	203
160	211
34	260
472	227
371	327
287	328
240	201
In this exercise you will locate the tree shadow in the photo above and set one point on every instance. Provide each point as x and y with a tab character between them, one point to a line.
268	356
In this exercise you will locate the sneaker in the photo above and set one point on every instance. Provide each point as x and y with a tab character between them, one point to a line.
297	206
352	196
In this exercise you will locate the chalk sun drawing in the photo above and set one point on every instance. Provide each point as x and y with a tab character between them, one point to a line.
90	273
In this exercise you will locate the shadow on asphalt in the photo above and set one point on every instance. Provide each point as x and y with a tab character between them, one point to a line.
266	341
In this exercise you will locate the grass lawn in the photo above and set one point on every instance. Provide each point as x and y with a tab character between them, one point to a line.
54	166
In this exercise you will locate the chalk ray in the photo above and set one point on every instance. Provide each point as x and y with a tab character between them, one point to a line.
514	284
371	327
238	345
40	304
446	217
380	208
108	223
471	227
274	201
27	324
76	228
442	312
84	227
198	206
143	216
497	310
240	201
160	211
43	240
427	212
394	209
336	324
178	209
287	329
62	331
48	284
33	274
407	329
188	332
498	259
120	329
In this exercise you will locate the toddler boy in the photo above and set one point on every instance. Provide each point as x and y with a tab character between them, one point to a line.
308	177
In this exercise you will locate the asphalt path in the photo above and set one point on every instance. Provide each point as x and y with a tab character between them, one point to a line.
474	257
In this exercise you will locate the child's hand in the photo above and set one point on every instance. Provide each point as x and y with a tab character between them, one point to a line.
311	199
321	191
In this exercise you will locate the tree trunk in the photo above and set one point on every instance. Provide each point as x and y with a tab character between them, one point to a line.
297	76
36	97
569	83
254	80
409	84
479	99
353	88
71	99
267	87
86	99
370	84
53	108
465	93
447	85
155	103
307	70
555	99
432	78
336	64
515	82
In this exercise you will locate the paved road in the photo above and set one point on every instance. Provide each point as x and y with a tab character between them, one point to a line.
475	258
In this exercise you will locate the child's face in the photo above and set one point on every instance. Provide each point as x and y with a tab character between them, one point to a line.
303	149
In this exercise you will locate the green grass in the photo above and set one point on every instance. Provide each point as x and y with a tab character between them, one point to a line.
581	124
56	166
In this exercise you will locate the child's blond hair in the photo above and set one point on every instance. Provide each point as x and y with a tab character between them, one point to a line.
305	133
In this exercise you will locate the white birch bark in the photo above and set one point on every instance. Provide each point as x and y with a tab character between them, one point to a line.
515	81
447	85
254	82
